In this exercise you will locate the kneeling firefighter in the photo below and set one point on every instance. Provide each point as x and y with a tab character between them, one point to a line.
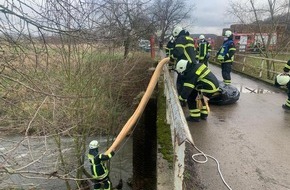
199	81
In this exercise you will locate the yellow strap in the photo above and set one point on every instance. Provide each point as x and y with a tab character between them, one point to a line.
198	103
206	103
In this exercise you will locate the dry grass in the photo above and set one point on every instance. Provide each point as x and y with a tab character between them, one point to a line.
81	90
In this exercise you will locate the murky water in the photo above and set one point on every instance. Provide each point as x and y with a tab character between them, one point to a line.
254	90
29	158
244	84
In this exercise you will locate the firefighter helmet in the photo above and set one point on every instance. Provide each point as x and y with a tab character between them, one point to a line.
283	78
228	33
201	37
176	31
181	66
94	144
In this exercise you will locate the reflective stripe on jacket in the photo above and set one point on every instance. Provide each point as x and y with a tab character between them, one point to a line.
169	47
201	78
98	167
184	49
227	51
203	49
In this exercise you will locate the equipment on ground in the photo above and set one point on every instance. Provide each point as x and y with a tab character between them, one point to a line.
228	94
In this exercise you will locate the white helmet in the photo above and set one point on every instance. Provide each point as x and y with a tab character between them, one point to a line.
181	66
94	144
283	79
201	37
228	33
176	31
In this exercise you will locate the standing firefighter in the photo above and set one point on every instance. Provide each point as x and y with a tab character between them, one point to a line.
226	56
99	169
283	79
183	50
168	51
169	47
203	50
200	82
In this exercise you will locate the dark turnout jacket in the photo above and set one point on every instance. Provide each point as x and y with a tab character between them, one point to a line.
201	78
287	67
98	166
184	48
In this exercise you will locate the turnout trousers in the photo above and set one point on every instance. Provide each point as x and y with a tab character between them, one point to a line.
226	72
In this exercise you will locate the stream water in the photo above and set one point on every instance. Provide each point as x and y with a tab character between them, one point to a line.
30	157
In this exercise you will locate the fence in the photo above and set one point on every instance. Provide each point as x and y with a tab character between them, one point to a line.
256	66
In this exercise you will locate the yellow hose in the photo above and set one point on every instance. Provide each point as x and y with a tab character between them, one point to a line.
139	110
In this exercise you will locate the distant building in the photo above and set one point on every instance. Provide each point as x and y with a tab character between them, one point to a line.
253	37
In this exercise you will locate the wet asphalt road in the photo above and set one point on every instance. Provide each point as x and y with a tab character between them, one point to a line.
250	139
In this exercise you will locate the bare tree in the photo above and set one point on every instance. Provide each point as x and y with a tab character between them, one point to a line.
168	13
125	21
59	79
270	18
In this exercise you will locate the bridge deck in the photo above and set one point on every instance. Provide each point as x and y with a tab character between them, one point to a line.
250	139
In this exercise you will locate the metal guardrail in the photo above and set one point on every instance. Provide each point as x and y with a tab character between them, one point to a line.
181	136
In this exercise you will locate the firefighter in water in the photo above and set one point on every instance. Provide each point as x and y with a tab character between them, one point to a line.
203	50
198	81
183	50
99	169
226	56
283	80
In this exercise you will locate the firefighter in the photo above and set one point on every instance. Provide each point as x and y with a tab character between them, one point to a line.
168	51
198	81
203	50
99	169
283	79
169	47
226	56
183	50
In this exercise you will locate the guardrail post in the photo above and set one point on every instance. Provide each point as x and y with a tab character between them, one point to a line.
152	45
244	61
261	68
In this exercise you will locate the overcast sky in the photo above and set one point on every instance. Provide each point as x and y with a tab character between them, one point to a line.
210	16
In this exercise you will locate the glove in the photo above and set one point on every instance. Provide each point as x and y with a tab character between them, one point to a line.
220	58
170	63
172	59
276	84
171	66
207	55
182	101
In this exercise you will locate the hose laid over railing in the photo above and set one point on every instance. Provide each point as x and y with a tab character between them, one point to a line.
139	110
